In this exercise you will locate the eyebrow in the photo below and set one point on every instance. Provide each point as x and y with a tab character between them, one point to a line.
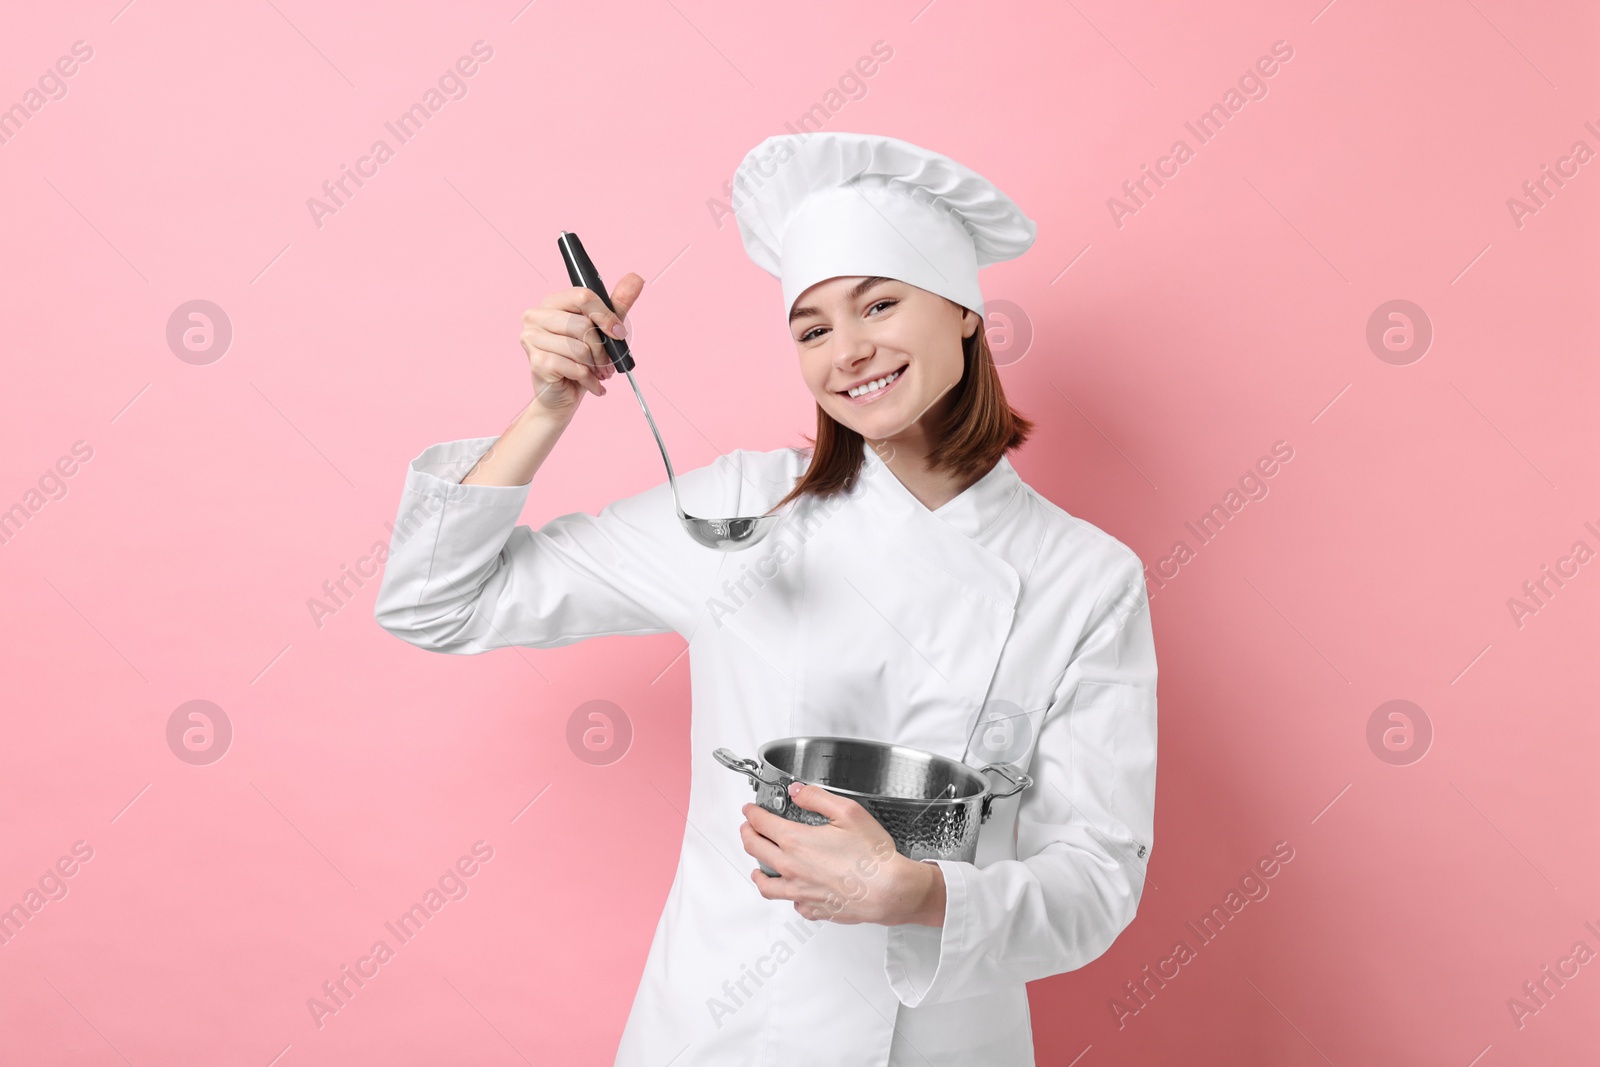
861	287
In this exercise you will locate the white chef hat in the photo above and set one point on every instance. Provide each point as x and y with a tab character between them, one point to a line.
825	205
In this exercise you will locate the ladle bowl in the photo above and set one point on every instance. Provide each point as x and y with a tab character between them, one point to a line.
728	535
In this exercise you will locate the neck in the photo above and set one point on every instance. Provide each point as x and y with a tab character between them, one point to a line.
906	456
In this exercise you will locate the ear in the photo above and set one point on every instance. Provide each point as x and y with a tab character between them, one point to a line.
970	322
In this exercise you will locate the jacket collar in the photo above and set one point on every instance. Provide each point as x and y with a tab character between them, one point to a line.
970	513
950	537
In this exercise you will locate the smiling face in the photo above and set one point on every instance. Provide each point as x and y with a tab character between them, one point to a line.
880	355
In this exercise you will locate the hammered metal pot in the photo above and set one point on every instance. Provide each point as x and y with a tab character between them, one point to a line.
931	805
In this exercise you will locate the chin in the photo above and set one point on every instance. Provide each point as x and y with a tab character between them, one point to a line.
873	427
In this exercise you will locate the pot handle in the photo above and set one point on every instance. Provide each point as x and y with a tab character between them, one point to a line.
1010	772
1018	778
747	767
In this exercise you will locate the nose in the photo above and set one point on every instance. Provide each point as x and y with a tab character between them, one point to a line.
851	346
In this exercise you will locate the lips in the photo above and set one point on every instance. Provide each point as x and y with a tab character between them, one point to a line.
893	379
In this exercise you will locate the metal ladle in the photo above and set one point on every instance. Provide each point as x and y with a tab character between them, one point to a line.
725	535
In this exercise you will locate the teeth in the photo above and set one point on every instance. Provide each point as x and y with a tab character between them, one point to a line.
874	386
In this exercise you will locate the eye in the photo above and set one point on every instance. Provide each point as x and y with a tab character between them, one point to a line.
811	333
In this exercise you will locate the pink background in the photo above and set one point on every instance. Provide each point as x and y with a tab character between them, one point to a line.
1167	355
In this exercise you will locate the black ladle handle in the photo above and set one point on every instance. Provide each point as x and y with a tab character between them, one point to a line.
581	270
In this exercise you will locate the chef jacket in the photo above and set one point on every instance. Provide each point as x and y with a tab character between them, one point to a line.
862	615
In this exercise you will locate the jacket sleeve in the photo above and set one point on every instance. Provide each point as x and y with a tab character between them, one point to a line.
1084	829
462	577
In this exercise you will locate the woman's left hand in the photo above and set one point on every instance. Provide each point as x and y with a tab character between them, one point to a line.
846	871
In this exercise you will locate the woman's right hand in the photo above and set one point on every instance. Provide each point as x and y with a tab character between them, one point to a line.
562	339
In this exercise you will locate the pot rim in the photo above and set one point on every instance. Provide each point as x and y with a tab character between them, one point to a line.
961	768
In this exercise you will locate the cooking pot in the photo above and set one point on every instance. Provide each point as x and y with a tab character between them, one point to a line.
931	805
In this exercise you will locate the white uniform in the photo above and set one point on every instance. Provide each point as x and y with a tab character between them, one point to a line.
866	616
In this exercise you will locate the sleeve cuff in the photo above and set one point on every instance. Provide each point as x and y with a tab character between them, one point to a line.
437	472
919	959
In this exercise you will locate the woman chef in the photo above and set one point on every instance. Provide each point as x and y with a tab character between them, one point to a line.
917	591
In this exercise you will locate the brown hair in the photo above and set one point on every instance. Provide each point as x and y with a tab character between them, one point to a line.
980	429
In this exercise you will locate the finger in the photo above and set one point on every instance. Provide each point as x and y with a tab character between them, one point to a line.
594	341
770	887
571	334
817	799
763	849
548	357
578	300
543	380
581	314
586	302
773	827
626	293
556	369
